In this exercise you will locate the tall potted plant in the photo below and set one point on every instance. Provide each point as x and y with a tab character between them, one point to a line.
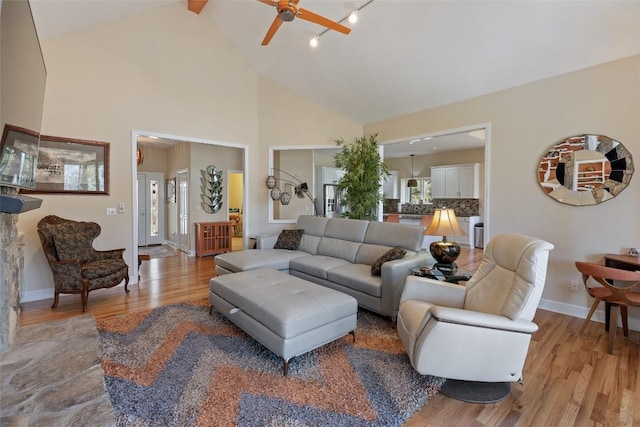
360	187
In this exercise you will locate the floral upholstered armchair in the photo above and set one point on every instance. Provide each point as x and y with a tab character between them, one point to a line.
76	266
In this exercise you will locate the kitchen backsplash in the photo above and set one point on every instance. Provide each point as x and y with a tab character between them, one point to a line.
462	207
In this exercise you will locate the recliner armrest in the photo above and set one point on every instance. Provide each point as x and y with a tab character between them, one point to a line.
482	320
433	291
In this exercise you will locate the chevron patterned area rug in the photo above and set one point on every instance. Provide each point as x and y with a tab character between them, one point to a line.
179	366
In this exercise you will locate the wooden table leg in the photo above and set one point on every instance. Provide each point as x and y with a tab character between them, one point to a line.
613	326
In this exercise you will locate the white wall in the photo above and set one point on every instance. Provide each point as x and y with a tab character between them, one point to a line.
525	121
170	72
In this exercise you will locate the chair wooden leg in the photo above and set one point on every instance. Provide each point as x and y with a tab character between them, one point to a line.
593	309
607	315
55	299
126	283
625	323
613	326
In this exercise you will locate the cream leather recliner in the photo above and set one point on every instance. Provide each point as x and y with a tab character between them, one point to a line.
480	331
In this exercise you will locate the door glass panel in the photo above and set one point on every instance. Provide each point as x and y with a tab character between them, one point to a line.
154	205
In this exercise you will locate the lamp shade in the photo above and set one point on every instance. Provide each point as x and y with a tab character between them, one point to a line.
271	182
275	193
444	223
412	183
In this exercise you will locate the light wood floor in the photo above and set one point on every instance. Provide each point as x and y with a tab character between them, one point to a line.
569	379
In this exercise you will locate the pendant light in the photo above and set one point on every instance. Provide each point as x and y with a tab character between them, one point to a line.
412	182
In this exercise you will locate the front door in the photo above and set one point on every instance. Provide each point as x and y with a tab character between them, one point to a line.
150	208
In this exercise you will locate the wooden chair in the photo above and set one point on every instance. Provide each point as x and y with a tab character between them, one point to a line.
393	218
614	296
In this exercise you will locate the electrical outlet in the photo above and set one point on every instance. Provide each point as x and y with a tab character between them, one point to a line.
575	285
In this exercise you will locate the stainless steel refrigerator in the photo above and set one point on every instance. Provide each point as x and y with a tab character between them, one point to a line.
331	207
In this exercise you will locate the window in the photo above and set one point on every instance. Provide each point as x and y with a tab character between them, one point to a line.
415	194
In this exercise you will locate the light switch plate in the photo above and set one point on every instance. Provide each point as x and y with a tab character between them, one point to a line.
111	211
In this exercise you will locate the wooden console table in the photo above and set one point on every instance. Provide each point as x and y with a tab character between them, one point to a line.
623	262
213	238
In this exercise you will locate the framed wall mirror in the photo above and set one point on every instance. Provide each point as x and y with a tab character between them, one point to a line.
585	170
301	162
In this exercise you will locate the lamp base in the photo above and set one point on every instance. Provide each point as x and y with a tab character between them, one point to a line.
445	252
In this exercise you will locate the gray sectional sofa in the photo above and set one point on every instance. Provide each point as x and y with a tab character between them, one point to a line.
338	253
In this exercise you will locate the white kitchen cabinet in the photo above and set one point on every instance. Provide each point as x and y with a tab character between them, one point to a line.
456	181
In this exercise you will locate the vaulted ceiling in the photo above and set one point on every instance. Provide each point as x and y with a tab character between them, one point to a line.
402	56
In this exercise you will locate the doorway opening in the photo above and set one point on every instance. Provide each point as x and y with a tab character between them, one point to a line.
178	197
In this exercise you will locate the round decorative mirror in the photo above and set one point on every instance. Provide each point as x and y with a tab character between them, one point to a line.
585	170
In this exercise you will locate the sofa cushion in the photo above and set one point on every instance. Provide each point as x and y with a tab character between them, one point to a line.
353	230
393	253
309	244
393	234
277	259
368	254
357	277
313	225
338	248
316	265
74	246
289	239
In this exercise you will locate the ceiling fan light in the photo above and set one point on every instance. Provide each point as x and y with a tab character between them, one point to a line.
353	17
313	42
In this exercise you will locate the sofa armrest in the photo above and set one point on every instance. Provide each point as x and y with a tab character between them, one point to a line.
110	254
482	320
433	291
393	274
266	241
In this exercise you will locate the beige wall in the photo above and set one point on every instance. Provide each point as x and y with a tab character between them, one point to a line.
525	121
166	71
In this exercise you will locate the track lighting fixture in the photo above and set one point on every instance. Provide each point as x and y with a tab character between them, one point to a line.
352	17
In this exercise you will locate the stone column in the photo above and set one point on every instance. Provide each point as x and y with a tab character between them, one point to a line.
11	265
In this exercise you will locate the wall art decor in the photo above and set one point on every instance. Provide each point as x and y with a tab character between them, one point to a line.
585	170
211	188
68	165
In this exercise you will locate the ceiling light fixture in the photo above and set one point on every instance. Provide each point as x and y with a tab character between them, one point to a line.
352	17
412	182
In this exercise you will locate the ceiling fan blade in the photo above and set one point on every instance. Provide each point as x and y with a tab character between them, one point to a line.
272	30
196	6
321	20
269	2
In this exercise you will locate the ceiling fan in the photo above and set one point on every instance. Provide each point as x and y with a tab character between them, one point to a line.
288	10
196	6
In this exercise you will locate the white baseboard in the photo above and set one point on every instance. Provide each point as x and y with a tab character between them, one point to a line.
41	294
581	313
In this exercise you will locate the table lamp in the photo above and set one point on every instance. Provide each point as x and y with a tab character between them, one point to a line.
444	224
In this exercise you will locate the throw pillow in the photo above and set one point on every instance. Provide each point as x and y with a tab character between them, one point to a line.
289	239
396	252
74	246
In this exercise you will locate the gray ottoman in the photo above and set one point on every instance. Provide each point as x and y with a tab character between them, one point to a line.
288	315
